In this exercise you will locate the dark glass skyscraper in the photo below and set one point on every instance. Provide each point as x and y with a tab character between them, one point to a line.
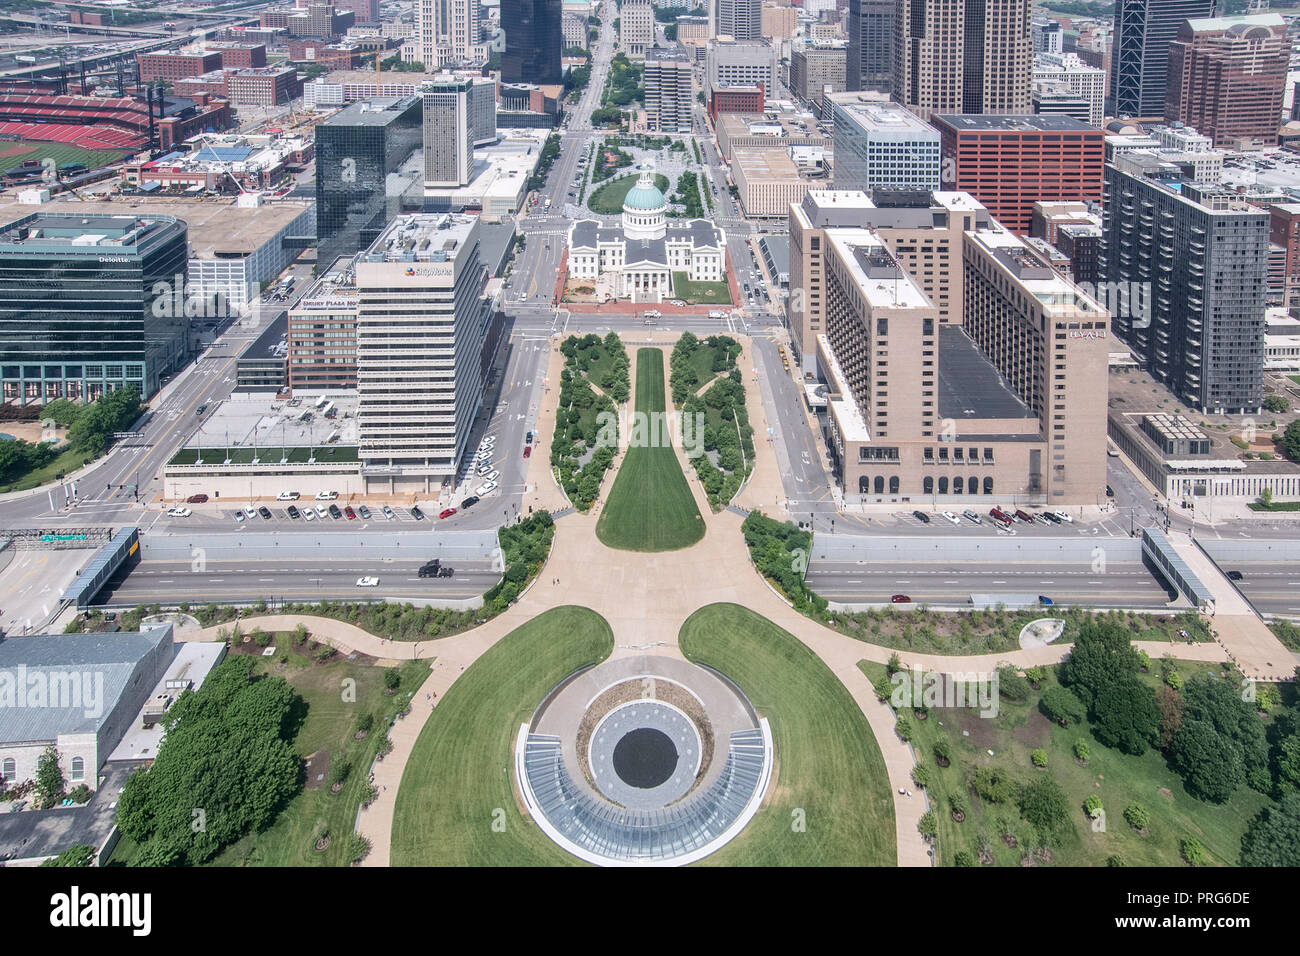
1140	61
871	45
534	41
90	303
356	149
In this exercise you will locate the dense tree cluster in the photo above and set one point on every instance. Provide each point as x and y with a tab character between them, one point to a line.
525	546
90	431
227	755
779	551
1102	672
1220	743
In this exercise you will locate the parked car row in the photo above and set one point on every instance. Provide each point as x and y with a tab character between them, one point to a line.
1001	518
311	513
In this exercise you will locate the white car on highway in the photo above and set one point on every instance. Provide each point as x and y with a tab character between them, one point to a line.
179	513
952	517
367	582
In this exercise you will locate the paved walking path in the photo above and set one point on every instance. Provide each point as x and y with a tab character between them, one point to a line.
646	598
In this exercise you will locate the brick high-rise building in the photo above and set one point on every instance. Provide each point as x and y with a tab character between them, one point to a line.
963	56
240	56
175	66
1009	163
1227	77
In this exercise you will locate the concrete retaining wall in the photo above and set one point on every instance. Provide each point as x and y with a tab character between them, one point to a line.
1255	549
844	547
449	545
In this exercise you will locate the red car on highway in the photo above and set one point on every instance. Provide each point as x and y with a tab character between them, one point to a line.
901	599
446	513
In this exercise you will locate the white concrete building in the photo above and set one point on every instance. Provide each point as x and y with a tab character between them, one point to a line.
882	145
448	148
642	254
422	326
1085	81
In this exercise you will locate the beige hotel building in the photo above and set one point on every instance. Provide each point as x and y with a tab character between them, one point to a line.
960	369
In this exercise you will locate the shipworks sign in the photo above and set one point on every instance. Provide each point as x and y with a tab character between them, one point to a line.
442	270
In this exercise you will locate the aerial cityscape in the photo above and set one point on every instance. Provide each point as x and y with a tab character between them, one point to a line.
752	433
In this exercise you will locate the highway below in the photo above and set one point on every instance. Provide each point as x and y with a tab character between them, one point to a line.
1273	588
1120	585
278	580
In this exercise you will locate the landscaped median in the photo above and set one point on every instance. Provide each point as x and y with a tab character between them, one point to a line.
456	805
586	422
650	506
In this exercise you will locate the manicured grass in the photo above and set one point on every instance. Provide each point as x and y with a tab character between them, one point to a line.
608	199
830	773
458	778
62	154
1117	778
701	293
1276	506
650	507
63	464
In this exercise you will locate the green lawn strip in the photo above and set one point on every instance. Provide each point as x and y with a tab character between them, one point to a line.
63	464
701	293
458	777
830	774
608	199
650	506
1117	778
1276	506
1287	633
61	153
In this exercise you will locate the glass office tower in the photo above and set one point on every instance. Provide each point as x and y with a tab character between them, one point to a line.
356	149
534	41
90	303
